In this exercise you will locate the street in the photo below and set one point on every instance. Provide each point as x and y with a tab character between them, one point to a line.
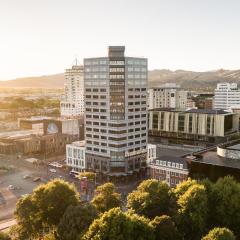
21	168
15	177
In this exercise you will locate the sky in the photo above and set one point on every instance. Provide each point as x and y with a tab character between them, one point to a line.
40	37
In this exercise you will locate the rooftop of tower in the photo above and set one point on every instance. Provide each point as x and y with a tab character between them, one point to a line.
116	51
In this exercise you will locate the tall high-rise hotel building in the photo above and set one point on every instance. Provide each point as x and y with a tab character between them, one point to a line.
116	113
72	102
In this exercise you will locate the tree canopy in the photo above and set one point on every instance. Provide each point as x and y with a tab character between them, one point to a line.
44	207
192	212
76	221
154	211
119	225
4	236
182	187
225	206
89	175
106	197
164	228
151	198
219	234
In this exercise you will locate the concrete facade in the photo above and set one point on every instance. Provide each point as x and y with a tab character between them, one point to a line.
152	153
227	96
192	124
116	113
75	156
169	95
72	102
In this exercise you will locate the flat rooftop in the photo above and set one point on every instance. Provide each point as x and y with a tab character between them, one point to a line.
211	158
36	118
234	147
193	110
20	133
207	111
167	110
78	143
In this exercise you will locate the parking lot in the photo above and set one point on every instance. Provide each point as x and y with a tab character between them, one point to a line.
19	180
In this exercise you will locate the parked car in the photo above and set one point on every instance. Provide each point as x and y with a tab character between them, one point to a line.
26	176
52	170
74	174
11	187
55	164
36	179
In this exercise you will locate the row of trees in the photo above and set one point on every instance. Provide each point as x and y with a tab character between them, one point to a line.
19	103
194	210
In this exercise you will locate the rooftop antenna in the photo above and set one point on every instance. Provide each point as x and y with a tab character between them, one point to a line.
75	61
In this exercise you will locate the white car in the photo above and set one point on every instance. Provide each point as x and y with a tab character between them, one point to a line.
26	176
52	170
55	164
58	165
11	187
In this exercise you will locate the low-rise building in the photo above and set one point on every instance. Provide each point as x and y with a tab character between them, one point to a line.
173	170
7	148
33	122
53	144
203	100
216	162
21	141
200	125
70	126
75	156
191	103
28	145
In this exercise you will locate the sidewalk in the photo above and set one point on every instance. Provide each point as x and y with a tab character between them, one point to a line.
7	224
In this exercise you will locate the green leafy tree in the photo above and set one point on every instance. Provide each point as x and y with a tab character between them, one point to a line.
182	187
4	236
225	202
164	228
192	212
29	223
49	236
89	175
219	234
118	225
76	221
106	197
44	208
151	198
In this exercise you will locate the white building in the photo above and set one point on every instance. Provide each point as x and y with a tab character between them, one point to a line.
72	102
116	113
152	153
227	96
75	156
169	95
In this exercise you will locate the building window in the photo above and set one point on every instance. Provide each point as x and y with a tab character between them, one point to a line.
181	120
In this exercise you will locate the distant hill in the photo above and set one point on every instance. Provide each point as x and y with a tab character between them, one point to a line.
187	79
46	81
193	80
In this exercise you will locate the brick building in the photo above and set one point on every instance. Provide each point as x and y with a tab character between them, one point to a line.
173	170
